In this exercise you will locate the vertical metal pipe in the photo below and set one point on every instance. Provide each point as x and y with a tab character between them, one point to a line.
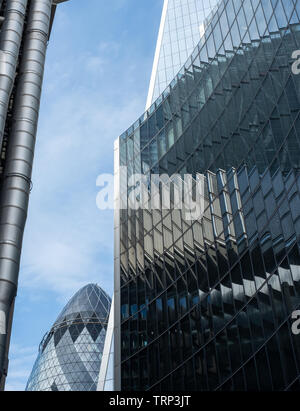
15	191
3	376
10	41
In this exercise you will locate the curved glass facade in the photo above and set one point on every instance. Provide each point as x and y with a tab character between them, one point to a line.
70	354
207	304
182	25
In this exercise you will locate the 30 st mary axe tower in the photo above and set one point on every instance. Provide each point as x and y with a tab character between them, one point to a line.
71	353
209	303
25	27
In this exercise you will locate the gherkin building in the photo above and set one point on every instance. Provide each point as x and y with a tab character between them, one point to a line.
70	353
209	304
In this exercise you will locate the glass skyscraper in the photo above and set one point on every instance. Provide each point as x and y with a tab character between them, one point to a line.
70	354
182	25
209	303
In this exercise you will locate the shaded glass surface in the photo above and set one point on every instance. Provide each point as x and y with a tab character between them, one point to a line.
70	354
207	304
183	28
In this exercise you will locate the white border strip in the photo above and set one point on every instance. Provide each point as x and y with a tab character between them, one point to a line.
157	54
106	350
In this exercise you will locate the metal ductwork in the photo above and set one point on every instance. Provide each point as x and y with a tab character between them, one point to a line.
10	42
16	184
1	14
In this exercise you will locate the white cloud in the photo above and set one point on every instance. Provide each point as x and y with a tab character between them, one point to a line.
22	360
68	241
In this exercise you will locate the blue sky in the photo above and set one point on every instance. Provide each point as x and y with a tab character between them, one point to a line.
97	74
